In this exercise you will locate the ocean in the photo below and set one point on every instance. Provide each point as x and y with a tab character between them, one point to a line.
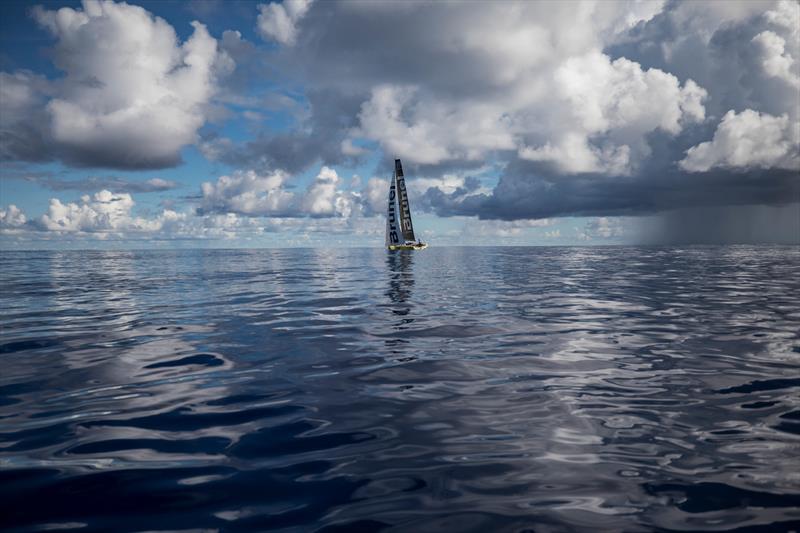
452	389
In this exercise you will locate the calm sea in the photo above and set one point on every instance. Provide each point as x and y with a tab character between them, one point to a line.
453	389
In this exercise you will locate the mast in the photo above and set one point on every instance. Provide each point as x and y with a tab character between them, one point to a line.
392	235
402	198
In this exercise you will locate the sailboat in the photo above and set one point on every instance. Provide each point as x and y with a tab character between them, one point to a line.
400	237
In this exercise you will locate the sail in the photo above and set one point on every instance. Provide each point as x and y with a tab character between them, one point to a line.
402	197
392	234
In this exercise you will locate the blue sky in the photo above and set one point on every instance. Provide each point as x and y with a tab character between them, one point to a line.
247	124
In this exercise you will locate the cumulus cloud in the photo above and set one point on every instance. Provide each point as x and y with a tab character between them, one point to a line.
323	199
436	130
251	194
595	96
621	101
102	212
12	217
132	95
776	61
748	139
278	21
602	228
321	209
107	215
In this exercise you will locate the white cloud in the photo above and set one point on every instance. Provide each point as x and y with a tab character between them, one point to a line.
248	193
423	129
251	194
502	228
748	139
617	99
323	199
602	228
12	217
132	95
786	15
278	21
376	196
107	215
102	212
776	61
160	184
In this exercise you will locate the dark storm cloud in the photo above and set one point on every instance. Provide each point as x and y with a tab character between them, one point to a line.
532	190
25	141
378	43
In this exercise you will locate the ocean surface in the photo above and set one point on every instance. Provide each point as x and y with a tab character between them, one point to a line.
453	389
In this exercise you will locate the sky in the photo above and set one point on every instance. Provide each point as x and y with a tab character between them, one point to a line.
166	124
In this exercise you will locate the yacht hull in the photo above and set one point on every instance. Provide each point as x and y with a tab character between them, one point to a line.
417	246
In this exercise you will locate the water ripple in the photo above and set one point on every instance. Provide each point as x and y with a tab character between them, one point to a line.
496	389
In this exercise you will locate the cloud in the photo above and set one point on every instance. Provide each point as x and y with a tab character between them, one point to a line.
96	183
512	85
375	196
621	101
435	131
748	139
716	44
12	217
501	228
23	120
529	190
248	193
251	194
322	198
597	109
132	95
595	96
593	124
103	212
109	215
278	21
322	122
602	228
775	60
321	210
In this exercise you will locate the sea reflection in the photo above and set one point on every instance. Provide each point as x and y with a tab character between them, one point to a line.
454	389
400	269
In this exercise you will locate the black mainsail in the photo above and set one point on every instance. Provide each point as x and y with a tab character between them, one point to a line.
398	221
402	198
